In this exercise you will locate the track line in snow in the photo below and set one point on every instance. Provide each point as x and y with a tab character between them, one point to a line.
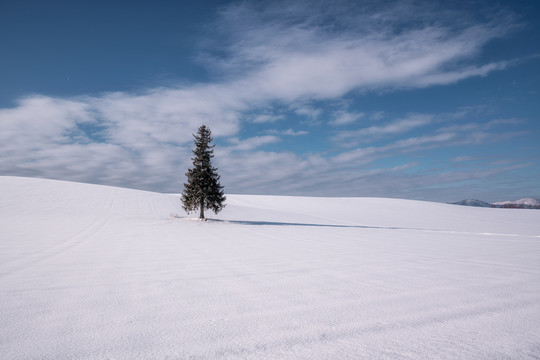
31	260
348	226
286	341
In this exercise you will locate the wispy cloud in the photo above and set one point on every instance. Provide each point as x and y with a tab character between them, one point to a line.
463	158
391	128
344	117
267	118
289	52
308	111
288	132
252	142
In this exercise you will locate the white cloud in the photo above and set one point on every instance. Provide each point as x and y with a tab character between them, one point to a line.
307	111
267	118
290	54
463	158
292	132
398	126
482	126
120	139
288	132
344	118
253	142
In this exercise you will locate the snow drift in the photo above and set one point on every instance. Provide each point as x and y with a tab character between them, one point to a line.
95	272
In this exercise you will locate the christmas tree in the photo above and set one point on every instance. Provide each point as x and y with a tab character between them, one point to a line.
203	190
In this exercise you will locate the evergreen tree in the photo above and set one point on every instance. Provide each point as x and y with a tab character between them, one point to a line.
203	190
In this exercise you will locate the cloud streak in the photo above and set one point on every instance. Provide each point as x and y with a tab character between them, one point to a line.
373	132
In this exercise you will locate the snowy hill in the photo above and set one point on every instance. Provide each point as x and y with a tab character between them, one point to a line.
98	272
524	202
472	202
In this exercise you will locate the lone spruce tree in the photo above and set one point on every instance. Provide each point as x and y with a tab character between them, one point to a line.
203	190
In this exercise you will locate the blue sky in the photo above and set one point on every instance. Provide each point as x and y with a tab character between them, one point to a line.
409	99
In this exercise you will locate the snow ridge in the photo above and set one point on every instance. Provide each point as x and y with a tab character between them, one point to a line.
473	202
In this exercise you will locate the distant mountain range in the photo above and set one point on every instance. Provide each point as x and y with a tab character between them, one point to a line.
526	203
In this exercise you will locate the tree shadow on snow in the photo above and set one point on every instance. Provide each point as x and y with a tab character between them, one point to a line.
274	223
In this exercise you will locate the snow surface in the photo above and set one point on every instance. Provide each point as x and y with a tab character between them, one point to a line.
95	272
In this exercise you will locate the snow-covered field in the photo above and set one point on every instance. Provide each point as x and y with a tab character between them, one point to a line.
94	272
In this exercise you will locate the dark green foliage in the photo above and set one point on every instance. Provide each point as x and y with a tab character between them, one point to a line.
203	190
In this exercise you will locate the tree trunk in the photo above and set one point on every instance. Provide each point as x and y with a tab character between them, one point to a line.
201	212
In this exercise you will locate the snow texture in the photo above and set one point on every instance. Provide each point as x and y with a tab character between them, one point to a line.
95	272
